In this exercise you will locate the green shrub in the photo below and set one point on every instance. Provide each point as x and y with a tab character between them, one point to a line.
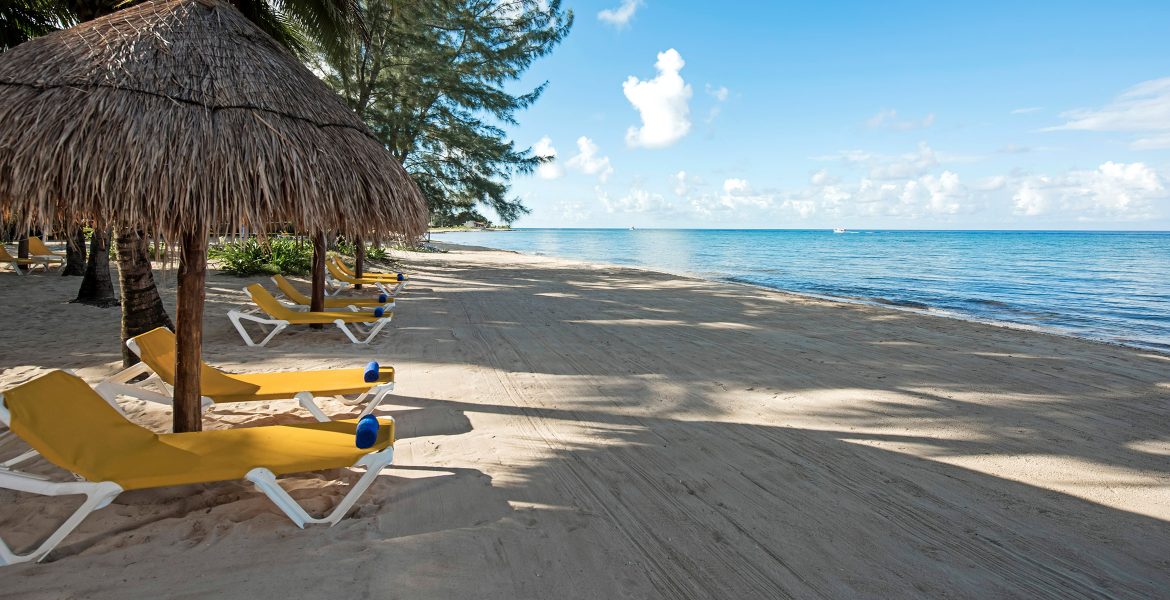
377	253
283	255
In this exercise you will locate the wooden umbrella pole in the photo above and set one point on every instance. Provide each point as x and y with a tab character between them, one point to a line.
359	259
317	301
188	415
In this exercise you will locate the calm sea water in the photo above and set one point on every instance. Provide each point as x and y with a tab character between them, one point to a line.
1112	286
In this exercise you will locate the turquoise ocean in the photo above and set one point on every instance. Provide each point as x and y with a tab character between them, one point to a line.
1109	286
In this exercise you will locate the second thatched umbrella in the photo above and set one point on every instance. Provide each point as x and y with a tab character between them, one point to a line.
176	116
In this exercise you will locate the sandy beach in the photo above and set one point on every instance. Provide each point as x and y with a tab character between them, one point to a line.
570	430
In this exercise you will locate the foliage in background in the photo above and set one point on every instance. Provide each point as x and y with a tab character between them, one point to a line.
429	78
347	248
299	25
22	20
274	255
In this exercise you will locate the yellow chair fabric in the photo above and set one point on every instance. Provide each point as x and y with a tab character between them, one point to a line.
269	304
66	421
157	349
296	296
37	247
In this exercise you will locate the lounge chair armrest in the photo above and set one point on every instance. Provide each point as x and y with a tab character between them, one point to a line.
130	373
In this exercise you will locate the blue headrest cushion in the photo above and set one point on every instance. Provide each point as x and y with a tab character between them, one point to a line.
382	298
378	312
367	431
372	372
401	277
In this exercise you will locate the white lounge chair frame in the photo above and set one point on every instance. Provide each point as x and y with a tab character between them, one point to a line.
236	316
40	261
120	384
339	285
391	302
99	494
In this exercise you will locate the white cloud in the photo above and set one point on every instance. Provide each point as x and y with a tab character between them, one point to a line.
1152	142
738	193
993	183
822	177
942	195
847	156
907	165
571	211
1029	199
720	94
682	183
637	200
620	17
588	162
1143	109
1112	191
662	102
735	186
1027	110
887	118
544	149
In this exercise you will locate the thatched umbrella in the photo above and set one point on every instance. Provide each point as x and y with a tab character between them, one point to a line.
176	116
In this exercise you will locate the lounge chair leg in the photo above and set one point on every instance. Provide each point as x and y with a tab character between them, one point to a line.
349	334
16	460
306	399
338	286
266	482
236	316
379	394
377	326
275	330
235	319
97	495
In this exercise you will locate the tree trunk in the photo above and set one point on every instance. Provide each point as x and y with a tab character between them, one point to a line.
74	253
188	414
97	287
317	303
142	308
22	251
359	259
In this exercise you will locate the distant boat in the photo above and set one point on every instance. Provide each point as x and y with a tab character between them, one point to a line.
631	227
838	230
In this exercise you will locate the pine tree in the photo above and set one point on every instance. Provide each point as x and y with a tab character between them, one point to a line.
429	78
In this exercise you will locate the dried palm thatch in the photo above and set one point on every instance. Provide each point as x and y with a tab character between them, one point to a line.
181	115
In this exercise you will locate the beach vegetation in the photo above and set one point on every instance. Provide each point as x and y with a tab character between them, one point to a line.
435	81
22	20
277	255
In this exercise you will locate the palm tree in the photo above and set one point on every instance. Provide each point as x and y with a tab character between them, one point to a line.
21	20
297	24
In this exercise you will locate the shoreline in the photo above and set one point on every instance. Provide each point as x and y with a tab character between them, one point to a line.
890	304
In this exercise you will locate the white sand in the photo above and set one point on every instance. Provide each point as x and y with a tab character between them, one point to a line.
572	430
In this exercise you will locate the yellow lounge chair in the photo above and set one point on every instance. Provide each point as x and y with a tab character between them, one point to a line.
156	348
281	316
292	294
38	248
68	423
33	261
392	277
341	280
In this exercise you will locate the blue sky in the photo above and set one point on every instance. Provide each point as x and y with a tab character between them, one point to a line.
915	115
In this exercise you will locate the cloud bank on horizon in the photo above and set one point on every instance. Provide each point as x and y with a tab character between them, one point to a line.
778	151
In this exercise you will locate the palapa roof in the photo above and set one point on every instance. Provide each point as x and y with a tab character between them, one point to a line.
176	112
